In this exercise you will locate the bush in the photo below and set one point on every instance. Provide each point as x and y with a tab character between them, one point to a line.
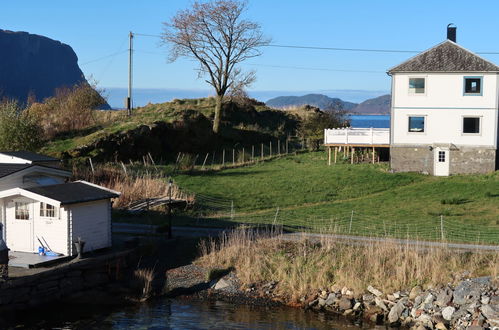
454	201
312	127
18	129
69	110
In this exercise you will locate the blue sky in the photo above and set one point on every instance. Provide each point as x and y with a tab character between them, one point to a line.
96	29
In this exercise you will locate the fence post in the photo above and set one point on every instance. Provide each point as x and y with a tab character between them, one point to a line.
233	157
279	147
252	153
287	145
223	157
243	155
91	165
205	158
442	227
231	210
270	144
261	153
350	227
124	168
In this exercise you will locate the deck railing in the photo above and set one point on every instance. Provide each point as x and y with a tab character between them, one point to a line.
357	136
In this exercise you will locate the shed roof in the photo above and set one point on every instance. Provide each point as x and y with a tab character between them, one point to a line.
28	155
74	192
446	57
8	169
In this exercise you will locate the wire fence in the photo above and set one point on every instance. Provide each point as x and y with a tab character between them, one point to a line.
435	228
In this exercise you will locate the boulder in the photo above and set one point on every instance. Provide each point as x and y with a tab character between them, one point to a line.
447	312
415	291
374	291
345	303
469	291
444	297
379	302
331	299
491	312
396	312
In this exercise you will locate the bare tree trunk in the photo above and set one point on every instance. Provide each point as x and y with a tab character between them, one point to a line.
218	113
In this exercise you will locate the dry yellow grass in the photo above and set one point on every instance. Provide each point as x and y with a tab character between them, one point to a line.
303	267
133	187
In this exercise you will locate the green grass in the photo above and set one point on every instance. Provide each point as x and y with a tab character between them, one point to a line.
303	193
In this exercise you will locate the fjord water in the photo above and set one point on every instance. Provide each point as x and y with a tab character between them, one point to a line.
367	121
181	314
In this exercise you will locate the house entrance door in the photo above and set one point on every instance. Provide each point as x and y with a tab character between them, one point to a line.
19	228
441	161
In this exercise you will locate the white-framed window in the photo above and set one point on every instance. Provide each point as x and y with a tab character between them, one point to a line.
47	210
416	124
21	210
417	85
471	125
473	86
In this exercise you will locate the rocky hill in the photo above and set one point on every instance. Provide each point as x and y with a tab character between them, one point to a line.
321	101
378	105
34	65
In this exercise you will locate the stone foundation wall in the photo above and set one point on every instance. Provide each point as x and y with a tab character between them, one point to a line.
411	159
472	160
24	292
463	160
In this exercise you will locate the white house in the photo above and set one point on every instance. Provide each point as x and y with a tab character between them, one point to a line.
444	113
38	206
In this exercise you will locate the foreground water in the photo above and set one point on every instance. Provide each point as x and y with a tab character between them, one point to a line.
179	314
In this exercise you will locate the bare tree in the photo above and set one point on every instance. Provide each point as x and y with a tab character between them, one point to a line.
219	38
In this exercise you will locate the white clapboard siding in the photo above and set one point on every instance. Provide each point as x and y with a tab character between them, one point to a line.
51	231
92	222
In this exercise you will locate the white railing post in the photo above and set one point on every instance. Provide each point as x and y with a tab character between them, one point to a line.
372	136
346	136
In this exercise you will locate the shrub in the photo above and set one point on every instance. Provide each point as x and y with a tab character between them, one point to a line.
18	129
69	110
454	201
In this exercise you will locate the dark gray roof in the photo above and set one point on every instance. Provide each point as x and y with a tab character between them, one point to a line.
446	57
28	155
8	169
73	192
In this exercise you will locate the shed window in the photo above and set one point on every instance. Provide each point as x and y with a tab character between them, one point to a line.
22	210
416	85
416	124
472	85
47	210
471	125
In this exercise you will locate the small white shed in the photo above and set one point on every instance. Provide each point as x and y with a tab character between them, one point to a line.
56	216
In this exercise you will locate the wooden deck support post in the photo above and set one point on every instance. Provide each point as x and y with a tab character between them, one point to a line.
374	151
329	155
351	155
335	153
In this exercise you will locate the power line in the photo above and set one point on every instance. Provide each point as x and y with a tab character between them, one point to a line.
104	57
338	48
313	69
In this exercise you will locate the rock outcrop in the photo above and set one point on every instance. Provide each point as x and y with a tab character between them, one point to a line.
35	66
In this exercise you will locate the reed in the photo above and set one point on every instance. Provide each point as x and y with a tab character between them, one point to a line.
302	267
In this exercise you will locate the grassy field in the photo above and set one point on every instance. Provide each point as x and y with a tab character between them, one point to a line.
302	193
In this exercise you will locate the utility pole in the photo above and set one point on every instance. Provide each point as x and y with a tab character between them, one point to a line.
128	101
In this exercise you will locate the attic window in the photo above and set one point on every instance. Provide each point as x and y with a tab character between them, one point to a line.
416	85
472	85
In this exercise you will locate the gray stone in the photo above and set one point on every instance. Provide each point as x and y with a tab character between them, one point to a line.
444	297
379	302
418	300
396	312
485	300
322	302
469	291
429	298
447	312
416	291
221	284
331	299
374	291
357	306
345	303
491	312
367	297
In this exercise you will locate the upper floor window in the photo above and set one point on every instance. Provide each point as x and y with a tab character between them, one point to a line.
47	210
471	125
472	85
416	85
416	124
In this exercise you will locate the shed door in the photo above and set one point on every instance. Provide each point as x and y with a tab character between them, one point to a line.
442	162
20	225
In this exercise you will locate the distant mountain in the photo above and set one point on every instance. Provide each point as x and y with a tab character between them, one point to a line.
34	65
378	105
317	100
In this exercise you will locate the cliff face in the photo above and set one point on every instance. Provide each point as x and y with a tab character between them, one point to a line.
37	65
